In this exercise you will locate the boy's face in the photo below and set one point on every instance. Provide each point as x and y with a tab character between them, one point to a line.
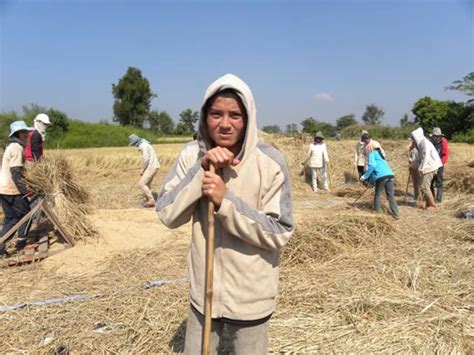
23	136
226	123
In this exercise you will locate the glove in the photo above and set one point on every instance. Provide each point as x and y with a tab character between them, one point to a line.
28	194
362	178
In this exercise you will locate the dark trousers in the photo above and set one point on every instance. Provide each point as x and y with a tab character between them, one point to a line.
437	183
360	170
14	208
388	185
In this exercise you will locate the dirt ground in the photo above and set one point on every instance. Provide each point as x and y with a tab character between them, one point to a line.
408	290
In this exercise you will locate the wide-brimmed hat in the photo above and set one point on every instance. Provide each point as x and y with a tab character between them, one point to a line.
133	139
18	126
437	132
319	135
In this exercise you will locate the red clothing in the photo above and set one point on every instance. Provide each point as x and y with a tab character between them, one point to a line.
34	147
444	154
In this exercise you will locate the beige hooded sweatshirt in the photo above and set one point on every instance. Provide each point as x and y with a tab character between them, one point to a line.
252	224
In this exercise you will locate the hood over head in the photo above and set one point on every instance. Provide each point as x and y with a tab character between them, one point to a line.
230	81
418	135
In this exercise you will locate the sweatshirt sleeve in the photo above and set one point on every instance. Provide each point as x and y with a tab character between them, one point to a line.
370	167
325	154
423	153
181	190
269	227
144	148
356	155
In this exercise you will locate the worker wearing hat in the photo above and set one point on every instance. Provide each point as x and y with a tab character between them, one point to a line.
369	146
37	136
441	145
13	190
359	157
149	168
318	162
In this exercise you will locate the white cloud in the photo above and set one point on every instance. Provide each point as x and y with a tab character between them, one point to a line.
324	96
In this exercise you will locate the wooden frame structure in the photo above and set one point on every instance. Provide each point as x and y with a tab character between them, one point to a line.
39	250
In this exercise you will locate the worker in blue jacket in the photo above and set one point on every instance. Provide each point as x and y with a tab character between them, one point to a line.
379	174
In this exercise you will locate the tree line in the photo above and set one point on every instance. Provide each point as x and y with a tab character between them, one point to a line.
456	119
132	107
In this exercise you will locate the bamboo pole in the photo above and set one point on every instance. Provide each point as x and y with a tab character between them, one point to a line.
206	335
408	183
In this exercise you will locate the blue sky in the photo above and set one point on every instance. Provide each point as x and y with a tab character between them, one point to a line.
322	59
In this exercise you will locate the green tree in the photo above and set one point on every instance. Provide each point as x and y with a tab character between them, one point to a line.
186	123
373	115
404	121
271	129
452	117
312	126
160	122
345	121
309	125
59	123
291	128
466	85
30	111
133	97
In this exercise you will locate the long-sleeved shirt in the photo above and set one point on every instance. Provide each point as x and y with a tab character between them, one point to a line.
150	161
318	155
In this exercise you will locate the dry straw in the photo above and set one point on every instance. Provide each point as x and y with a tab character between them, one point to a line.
53	178
350	281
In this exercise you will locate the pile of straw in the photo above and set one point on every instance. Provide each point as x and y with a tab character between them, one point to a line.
351	191
327	236
53	178
461	180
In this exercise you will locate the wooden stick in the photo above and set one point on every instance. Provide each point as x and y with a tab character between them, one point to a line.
206	335
408	183
363	192
52	217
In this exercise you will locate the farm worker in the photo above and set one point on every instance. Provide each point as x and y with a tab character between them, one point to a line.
360	158
318	162
13	190
380	174
34	146
441	145
430	162
369	146
149	168
414	164
253	217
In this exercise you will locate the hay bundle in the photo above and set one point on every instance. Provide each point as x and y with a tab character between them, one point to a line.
461	181
327	236
352	191
54	178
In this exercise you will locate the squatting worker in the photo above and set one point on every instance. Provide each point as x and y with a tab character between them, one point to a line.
13	190
150	167
253	218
